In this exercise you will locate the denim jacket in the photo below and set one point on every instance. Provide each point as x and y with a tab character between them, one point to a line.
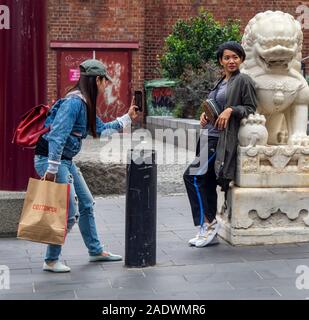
68	121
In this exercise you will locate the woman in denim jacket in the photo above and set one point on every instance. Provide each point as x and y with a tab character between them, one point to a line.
70	120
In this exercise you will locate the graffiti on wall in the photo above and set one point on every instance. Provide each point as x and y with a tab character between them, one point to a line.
114	105
116	98
161	97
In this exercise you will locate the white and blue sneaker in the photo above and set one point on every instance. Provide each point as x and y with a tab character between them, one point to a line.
210	236
200	234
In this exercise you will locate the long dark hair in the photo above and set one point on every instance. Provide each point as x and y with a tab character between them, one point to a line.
87	85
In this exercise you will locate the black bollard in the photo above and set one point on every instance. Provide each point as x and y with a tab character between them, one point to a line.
141	209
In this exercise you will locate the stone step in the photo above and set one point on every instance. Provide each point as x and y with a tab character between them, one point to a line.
11	204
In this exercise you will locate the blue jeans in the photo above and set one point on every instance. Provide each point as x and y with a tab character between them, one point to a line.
69	173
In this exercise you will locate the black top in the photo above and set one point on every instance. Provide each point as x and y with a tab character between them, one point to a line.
41	149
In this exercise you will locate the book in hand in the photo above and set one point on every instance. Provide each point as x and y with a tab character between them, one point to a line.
212	110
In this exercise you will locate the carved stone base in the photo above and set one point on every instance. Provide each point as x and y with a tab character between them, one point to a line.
265	216
273	166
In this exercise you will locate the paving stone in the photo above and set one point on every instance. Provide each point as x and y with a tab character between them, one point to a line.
292	293
137	295
176	295
199	255
294	263
129	282
98	294
18	266
291	255
180	269
283	272
25	272
260	283
17	289
20	296
213	277
181	272
69	285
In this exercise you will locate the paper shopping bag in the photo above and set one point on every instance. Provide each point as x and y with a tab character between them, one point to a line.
45	212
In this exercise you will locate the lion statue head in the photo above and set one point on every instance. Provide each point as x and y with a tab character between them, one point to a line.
273	40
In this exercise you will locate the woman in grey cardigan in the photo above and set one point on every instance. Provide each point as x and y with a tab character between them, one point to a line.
215	162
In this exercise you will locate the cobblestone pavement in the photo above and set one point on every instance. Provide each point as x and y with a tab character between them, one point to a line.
181	272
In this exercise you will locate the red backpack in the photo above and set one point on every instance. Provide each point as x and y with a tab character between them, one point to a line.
31	127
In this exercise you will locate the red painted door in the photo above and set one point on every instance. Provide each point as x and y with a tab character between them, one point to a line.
22	84
116	100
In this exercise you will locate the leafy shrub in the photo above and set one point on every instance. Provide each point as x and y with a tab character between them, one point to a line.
193	88
194	42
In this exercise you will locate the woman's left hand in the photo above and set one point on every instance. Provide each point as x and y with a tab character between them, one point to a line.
133	111
223	118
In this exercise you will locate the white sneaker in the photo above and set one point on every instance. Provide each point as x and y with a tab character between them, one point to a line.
213	241
107	256
201	233
58	267
209	236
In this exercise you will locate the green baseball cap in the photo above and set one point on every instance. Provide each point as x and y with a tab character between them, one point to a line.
95	67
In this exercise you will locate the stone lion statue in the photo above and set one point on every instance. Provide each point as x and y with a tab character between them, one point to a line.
273	44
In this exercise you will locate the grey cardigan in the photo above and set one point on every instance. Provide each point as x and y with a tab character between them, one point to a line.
241	97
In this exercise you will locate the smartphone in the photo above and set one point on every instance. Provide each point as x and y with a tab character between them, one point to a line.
138	95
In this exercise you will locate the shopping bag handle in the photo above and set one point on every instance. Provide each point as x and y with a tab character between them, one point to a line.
44	177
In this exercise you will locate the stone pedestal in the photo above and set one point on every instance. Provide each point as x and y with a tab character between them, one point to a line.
11	204
273	166
269	202
265	216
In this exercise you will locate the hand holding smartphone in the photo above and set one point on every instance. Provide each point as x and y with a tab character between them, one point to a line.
138	98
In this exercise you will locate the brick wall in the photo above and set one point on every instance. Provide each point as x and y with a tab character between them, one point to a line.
148	22
164	14
96	20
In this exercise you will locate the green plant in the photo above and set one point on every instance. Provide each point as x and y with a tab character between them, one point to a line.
194	42
178	110
193	88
